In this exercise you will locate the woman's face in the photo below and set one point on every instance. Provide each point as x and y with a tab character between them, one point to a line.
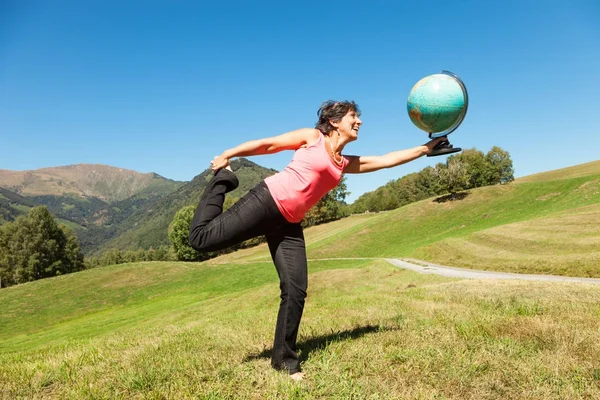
349	125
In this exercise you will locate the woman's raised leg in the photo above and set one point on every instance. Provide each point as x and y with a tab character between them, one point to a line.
253	215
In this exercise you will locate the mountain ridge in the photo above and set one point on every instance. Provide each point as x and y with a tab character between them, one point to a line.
105	182
135	216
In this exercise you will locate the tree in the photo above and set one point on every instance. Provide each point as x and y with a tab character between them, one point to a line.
74	260
115	256
163	253
5	270
477	167
35	247
130	256
112	257
229	201
179	231
330	207
428	183
500	166
452	176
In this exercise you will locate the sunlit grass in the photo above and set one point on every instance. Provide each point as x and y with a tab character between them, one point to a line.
576	171
370	331
162	330
506	227
565	244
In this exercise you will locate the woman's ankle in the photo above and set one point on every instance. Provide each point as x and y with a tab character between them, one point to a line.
228	177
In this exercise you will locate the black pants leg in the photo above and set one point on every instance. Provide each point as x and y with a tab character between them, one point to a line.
288	251
253	215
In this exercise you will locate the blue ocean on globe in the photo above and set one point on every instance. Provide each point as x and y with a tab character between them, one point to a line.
436	103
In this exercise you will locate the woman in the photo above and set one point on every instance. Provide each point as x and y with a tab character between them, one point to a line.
276	206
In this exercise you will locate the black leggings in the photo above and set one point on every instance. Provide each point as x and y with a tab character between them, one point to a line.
253	215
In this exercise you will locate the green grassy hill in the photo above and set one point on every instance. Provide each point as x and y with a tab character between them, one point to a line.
545	226
575	171
204	330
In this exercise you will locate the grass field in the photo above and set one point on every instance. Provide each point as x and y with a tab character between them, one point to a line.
590	168
370	331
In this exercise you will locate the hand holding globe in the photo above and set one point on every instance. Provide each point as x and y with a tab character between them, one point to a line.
438	104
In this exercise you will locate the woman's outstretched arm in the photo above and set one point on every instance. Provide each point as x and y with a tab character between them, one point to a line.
362	164
288	141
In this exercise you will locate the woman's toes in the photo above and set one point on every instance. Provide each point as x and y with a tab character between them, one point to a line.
298	376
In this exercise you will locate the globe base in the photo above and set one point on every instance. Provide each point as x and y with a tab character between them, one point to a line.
443	148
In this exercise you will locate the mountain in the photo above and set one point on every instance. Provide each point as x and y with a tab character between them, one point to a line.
92	199
111	207
148	227
102	182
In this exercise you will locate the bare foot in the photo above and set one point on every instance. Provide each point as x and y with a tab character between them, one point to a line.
298	376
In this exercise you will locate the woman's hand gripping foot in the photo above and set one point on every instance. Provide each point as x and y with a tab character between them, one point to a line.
220	162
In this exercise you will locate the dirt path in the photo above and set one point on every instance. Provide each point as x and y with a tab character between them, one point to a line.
424	267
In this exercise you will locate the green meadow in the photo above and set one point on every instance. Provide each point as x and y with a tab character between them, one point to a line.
165	330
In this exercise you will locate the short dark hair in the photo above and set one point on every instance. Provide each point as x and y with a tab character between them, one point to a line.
334	111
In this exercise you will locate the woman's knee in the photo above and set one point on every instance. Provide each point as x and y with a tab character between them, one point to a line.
197	242
194	239
295	292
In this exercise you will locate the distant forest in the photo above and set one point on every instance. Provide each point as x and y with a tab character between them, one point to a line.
467	170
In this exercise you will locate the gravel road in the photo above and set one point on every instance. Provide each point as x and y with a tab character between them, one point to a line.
424	267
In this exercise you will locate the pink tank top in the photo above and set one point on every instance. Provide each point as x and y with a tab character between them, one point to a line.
307	178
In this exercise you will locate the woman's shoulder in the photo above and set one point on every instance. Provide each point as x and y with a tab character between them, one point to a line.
313	136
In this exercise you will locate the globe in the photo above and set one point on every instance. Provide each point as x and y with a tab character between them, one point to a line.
438	103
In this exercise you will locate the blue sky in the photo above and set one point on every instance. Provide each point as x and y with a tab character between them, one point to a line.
163	86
